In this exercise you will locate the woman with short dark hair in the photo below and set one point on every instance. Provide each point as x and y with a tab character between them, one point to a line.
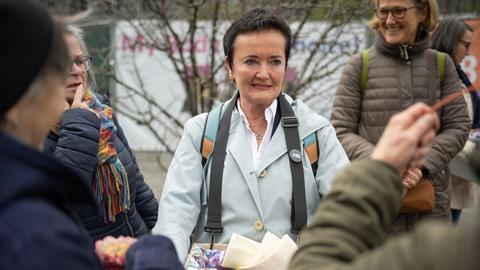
247	184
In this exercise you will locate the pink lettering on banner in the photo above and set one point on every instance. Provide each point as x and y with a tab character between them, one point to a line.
138	44
201	44
173	43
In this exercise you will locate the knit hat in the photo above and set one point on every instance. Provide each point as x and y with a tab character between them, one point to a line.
27	31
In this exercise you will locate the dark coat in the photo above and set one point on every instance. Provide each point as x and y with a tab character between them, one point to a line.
152	252
38	229
76	146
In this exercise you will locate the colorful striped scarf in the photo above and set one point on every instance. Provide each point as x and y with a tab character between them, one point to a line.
110	184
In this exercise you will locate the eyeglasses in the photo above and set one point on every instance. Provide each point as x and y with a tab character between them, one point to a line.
397	12
83	62
465	43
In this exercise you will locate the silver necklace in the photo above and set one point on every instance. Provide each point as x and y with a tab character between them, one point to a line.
258	135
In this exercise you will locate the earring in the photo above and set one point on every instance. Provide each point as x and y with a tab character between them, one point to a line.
230	76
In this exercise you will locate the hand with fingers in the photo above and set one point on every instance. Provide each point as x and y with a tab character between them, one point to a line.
77	100
411	177
406	140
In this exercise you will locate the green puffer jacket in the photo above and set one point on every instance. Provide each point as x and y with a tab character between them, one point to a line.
348	229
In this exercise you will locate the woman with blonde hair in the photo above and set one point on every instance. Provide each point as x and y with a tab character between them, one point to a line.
397	71
89	140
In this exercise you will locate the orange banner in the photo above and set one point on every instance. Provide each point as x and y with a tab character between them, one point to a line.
471	63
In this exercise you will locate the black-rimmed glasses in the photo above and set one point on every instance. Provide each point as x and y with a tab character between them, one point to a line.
84	62
397	12
466	43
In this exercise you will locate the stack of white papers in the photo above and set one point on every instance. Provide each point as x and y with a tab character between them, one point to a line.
246	254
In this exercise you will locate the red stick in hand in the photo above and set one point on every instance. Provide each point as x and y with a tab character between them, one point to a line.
448	99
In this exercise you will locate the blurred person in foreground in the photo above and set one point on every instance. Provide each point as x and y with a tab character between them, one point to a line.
38	228
348	230
89	140
402	70
39	197
454	38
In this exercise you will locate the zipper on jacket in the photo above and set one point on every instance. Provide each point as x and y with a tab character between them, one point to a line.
404	53
128	224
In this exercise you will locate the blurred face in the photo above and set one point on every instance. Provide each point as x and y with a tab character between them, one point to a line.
36	113
399	20
258	67
49	107
78	75
461	49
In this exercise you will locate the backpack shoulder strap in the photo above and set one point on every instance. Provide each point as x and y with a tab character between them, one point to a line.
432	80
310	144
210	133
214	213
364	75
298	216
441	65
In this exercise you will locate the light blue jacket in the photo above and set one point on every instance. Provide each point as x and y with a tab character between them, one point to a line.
253	201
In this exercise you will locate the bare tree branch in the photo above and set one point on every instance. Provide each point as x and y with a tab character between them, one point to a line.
170	31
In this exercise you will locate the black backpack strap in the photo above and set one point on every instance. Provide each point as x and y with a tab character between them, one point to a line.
289	122
276	121
214	212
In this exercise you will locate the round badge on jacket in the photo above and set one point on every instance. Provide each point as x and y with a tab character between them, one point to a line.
295	155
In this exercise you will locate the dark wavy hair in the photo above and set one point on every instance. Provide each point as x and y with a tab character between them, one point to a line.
256	20
447	34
